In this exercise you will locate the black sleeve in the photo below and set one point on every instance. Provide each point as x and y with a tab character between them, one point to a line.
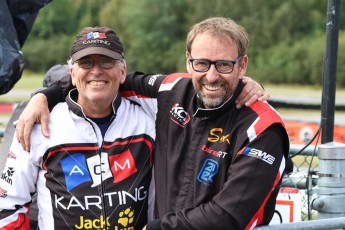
154	225
54	94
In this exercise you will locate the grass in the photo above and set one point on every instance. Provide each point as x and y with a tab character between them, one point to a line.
298	90
22	89
26	85
29	81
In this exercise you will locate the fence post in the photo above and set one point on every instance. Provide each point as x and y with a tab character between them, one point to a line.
329	71
330	201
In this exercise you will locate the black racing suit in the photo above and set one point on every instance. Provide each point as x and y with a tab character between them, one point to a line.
214	168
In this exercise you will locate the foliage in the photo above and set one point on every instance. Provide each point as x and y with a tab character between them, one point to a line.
287	37
54	19
154	35
297	63
41	54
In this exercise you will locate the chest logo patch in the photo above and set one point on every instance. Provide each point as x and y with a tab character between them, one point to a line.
217	135
208	171
179	115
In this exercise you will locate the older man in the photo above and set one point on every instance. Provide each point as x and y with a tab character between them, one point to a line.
94	170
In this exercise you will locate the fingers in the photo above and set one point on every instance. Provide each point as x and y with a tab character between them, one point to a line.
44	122
245	79
26	132
250	98
265	97
246	93
19	133
22	134
35	111
251	92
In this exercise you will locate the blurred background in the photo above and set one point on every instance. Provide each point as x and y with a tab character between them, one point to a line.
287	38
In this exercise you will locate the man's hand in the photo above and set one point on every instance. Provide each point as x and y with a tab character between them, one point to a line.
251	92
35	111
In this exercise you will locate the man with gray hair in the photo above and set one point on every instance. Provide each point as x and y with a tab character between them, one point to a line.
94	170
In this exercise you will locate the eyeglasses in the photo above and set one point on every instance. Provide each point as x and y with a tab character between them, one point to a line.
222	66
88	63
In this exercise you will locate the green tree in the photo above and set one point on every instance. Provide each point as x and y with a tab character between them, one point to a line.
89	12
150	37
54	19
287	38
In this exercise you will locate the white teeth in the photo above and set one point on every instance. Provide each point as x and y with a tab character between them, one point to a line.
212	88
97	83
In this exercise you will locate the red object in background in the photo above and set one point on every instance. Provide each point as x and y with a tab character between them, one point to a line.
302	132
7	107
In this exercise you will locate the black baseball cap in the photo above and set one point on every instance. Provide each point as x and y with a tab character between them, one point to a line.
97	40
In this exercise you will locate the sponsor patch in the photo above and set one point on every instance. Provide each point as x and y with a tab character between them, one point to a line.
75	170
90	202
126	218
152	79
208	171
97	223
217	135
7	175
122	165
179	115
257	153
219	154
125	221
95	35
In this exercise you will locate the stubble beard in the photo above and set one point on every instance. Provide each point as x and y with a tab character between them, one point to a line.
211	101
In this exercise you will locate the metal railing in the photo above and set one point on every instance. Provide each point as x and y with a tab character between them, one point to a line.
322	184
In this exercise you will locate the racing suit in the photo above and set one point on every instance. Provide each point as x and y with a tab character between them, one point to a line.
82	180
214	168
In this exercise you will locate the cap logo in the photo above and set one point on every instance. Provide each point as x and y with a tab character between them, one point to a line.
97	40
94	36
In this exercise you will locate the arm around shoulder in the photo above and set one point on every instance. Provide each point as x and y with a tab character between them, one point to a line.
35	111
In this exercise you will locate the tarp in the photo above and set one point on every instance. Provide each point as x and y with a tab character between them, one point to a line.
301	132
17	18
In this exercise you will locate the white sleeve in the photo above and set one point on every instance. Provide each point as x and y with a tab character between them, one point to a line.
17	183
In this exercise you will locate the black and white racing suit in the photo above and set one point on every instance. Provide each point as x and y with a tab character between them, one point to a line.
214	168
83	181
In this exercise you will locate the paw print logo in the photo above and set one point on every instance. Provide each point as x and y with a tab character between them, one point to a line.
126	217
10	171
